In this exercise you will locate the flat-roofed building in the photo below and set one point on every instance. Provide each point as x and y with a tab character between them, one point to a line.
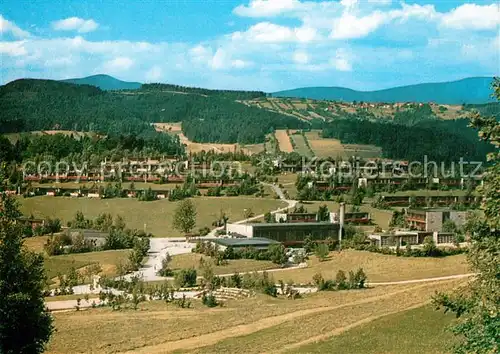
433	219
287	233
295	217
261	243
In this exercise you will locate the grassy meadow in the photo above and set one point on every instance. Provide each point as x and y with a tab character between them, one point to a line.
415	331
256	325
155	217
378	267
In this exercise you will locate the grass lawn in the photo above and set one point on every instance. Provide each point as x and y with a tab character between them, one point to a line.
378	267
156	216
107	259
35	243
255	325
189	260
283	337
416	331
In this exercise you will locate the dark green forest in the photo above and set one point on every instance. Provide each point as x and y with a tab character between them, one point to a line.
440	140
228	94
44	104
59	146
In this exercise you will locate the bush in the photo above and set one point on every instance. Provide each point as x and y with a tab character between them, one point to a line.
321	251
165	270
186	278
277	254
209	300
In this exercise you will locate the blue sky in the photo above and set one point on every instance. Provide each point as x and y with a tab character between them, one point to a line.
252	44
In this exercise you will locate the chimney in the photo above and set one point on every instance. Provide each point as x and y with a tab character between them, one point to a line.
341	223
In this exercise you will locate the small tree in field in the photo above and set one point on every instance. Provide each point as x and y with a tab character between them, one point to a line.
25	323
185	216
321	251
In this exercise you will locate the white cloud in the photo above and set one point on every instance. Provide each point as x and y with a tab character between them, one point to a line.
222	60
300	57
266	8
272	33
154	74
380	2
10	27
118	64
348	3
349	26
13	49
240	64
60	62
75	24
341	61
474	17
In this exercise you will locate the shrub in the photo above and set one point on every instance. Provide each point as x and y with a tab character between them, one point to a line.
209	300
186	278
277	254
321	251
165	270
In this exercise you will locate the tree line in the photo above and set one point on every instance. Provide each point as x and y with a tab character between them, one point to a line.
29	104
440	140
228	94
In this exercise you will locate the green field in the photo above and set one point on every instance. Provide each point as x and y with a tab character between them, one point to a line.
300	145
155	217
416	331
107	259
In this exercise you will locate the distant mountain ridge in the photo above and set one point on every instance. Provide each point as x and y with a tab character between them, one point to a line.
105	82
474	90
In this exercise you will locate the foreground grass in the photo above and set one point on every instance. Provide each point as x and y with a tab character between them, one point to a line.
378	267
254	325
416	331
192	260
155	217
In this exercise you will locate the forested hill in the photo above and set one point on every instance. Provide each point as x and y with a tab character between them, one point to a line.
471	90
438	140
105	82
29	104
228	94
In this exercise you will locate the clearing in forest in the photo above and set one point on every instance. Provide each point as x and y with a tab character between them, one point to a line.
283	140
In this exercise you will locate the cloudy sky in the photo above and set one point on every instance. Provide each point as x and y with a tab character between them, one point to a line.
252	44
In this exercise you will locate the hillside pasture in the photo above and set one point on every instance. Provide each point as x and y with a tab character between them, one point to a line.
300	145
334	148
283	140
155	216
